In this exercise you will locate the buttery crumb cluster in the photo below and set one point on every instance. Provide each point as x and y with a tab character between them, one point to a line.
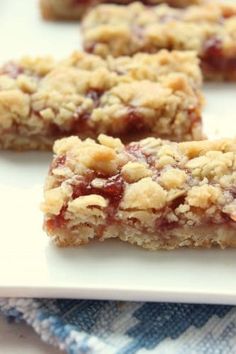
209	29
148	192
84	95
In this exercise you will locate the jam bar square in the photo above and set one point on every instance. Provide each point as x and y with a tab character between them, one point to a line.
209	29
153	193
42	100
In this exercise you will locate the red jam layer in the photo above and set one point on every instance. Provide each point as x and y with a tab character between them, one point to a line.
58	221
80	124
215	62
134	122
113	191
113	188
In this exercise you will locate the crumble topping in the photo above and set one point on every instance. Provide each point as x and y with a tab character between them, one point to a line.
128	185
134	171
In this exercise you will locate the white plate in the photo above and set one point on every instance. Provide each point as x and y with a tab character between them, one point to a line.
31	266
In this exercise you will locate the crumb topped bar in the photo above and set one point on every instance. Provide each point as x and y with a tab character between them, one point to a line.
84	95
75	9
154	193
209	29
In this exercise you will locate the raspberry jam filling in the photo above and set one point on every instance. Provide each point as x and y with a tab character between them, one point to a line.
58	221
90	47
134	122
80	123
112	190
214	60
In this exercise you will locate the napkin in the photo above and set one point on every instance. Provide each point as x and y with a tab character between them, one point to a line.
100	327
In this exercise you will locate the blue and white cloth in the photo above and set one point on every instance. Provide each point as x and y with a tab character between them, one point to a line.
104	327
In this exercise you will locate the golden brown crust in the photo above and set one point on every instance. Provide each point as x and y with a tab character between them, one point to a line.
46	10
199	237
42	100
155	193
54	10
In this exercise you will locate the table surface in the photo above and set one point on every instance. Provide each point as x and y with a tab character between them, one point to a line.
21	339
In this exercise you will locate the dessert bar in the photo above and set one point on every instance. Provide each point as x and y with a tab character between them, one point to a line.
75	9
209	29
84	95
153	193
